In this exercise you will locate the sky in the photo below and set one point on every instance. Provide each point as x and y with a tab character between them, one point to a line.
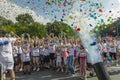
95	11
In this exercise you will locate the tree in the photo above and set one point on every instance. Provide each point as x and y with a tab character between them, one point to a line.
24	19
58	28
112	28
37	29
5	22
26	24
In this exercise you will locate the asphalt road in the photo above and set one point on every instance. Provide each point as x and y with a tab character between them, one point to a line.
46	74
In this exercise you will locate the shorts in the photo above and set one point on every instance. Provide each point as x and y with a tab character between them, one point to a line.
19	55
26	63
41	57
46	59
52	56
7	66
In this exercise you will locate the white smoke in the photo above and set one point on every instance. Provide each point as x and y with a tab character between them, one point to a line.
82	22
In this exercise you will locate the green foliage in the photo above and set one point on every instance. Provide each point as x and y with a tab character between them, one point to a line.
26	24
5	22
110	29
59	28
24	19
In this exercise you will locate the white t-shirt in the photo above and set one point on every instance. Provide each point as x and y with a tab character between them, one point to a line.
41	50
6	49
35	52
112	47
27	45
26	55
64	49
51	49
59	57
46	52
19	50
71	51
82	54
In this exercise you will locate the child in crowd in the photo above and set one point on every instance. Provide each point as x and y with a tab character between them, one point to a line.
71	59
26	60
51	48
104	50
20	64
113	50
41	56
64	55
59	60
46	57
35	56
75	56
15	52
83	59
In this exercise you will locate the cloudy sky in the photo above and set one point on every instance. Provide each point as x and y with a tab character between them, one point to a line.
93	10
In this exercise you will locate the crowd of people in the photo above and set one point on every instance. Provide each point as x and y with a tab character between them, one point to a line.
59	53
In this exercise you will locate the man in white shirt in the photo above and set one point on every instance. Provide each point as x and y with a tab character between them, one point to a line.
6	57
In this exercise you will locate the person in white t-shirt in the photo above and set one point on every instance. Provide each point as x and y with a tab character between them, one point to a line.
105	50
26	60
71	59
19	61
46	57
36	56
59	58
41	56
15	52
83	65
6	56
51	48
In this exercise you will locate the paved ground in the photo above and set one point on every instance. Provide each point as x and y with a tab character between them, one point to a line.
45	74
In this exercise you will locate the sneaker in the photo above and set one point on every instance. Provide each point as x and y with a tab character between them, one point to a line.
117	65
20	69
38	69
73	75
